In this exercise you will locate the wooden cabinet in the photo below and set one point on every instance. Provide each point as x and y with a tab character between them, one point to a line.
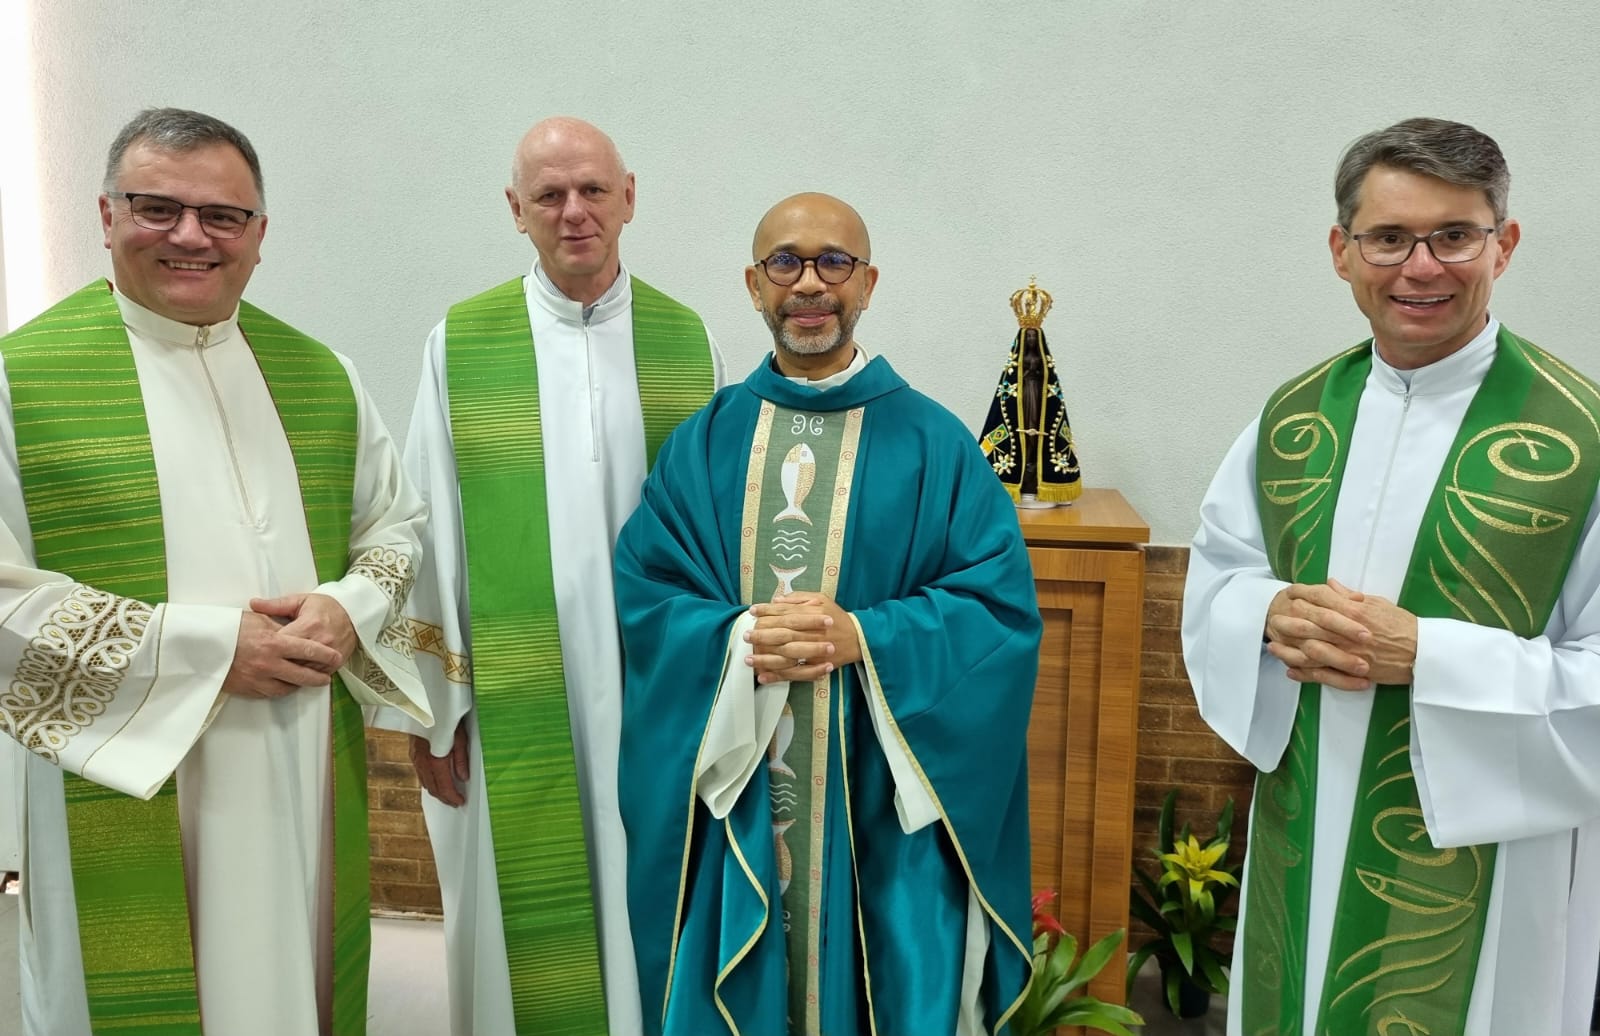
1088	566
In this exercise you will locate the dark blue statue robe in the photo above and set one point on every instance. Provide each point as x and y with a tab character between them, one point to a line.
935	571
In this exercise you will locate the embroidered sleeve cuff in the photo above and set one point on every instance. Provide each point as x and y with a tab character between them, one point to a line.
371	593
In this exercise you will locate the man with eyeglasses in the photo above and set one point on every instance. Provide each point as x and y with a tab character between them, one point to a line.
204	537
1393	611
831	641
542	403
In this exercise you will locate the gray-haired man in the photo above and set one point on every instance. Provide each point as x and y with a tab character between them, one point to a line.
203	534
1393	611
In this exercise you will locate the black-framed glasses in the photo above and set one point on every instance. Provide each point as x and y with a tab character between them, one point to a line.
1448	244
153	212
833	267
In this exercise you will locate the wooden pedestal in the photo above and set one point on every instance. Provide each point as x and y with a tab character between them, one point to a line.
1089	570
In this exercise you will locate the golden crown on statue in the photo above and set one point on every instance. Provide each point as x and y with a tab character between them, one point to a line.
1031	304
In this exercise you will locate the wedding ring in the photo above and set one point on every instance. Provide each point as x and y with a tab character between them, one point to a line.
799	661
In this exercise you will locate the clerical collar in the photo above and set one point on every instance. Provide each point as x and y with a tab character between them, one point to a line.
613	302
1466	366
149	325
837	378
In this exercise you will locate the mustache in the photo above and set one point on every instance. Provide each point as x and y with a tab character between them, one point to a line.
795	303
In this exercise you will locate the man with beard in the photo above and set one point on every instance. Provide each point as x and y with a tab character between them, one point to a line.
831	640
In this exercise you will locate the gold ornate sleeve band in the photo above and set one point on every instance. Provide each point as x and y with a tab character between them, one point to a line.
71	669
411	637
391	570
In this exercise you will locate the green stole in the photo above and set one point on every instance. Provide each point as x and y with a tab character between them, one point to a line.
1496	539
519	686
94	508
798	456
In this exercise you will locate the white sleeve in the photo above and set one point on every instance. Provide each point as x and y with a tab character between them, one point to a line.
746	714
913	805
1505	734
1244	693
743	718
719	366
107	687
386	524
435	626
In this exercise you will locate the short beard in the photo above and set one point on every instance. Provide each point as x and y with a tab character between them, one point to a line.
817	343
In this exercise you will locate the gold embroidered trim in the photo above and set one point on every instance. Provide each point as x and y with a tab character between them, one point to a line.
391	570
759	445
855	874
755	937
72	668
366	669
411	637
688	842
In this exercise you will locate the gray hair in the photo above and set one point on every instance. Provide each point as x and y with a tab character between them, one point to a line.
1448	151
178	130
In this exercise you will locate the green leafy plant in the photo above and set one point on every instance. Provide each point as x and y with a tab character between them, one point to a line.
1057	974
1183	906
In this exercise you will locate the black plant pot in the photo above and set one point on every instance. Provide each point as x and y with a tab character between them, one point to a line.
1194	1000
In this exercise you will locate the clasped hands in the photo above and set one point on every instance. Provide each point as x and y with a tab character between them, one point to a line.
800	636
1330	634
290	642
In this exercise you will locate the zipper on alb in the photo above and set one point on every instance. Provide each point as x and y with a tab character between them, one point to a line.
594	406
202	336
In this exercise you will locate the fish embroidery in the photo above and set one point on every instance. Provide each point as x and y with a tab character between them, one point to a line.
798	475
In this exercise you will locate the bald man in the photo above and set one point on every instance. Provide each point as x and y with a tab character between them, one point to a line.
831	640
541	404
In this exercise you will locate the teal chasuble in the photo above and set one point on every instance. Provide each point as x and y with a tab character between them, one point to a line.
89	479
1499	532
809	909
519	687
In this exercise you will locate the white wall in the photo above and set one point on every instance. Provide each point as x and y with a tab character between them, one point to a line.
1164	168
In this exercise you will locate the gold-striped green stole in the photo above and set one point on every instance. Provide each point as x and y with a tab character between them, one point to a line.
94	510
1498	534
519	685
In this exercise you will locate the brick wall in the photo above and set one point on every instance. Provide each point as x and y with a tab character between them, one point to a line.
403	876
1176	749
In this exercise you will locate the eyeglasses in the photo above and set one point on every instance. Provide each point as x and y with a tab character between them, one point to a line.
153	212
785	268
1448	245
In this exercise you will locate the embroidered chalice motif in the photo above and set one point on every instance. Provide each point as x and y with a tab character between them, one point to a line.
781	849
781	739
786	578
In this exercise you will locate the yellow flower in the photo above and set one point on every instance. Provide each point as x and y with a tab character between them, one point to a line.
1195	864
